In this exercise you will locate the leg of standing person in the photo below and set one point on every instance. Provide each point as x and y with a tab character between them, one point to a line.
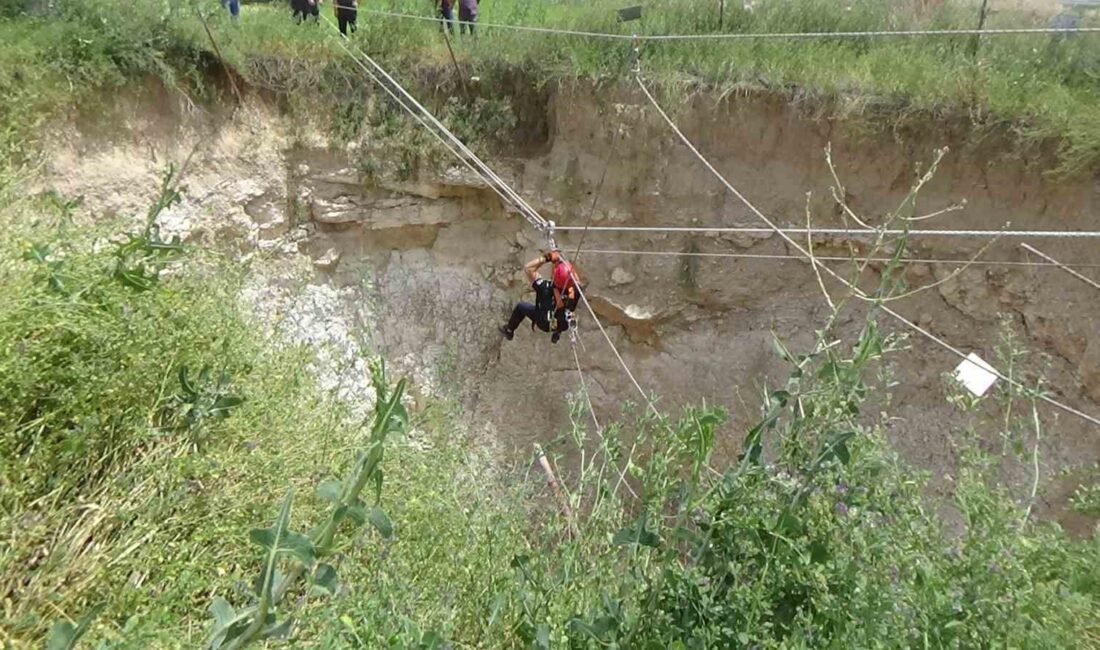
342	21
447	22
463	19
234	9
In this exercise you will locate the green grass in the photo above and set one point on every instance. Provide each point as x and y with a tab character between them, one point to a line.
112	496
1032	89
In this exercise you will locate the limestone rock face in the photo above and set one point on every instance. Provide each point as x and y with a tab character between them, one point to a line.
620	276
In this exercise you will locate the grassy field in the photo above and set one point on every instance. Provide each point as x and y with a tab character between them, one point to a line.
1033	88
137	492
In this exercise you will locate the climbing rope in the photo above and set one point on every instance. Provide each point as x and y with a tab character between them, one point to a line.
813	260
596	196
748	36
1053	262
443	134
865	232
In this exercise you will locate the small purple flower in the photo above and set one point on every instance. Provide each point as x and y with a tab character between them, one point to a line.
842	488
842	509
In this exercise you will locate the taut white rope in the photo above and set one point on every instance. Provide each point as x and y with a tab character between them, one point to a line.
750	230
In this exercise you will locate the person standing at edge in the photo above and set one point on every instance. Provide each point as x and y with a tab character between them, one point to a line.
467	15
303	9
234	7
346	12
447	16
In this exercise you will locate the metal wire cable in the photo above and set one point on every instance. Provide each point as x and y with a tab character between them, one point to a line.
752	230
856	290
835	258
748	36
469	157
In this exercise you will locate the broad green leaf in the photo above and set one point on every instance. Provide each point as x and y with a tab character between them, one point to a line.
520	560
542	636
329	489
291	542
185	382
280	631
583	627
277	578
324	578
636	534
224	404
381	522
62	636
223	612
357	513
299	546
271	539
227	629
841	451
789	525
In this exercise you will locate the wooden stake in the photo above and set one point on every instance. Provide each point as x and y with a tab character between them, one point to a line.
552	481
221	59
458	70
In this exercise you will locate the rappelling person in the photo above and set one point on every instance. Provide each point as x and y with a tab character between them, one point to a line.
555	299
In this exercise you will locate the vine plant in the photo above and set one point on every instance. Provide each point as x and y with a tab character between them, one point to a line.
236	628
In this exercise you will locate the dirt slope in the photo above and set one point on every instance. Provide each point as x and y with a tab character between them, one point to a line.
422	271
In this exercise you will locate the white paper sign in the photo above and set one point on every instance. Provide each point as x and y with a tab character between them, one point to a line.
975	374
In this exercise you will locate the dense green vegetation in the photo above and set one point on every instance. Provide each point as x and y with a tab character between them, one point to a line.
146	427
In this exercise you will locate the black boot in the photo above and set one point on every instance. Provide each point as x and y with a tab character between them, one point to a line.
555	337
506	333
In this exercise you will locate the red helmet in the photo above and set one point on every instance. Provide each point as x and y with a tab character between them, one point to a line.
563	276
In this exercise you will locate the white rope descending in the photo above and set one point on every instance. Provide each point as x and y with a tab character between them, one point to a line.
751	230
1053	262
584	386
573	339
483	170
443	134
746	36
824	267
835	258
